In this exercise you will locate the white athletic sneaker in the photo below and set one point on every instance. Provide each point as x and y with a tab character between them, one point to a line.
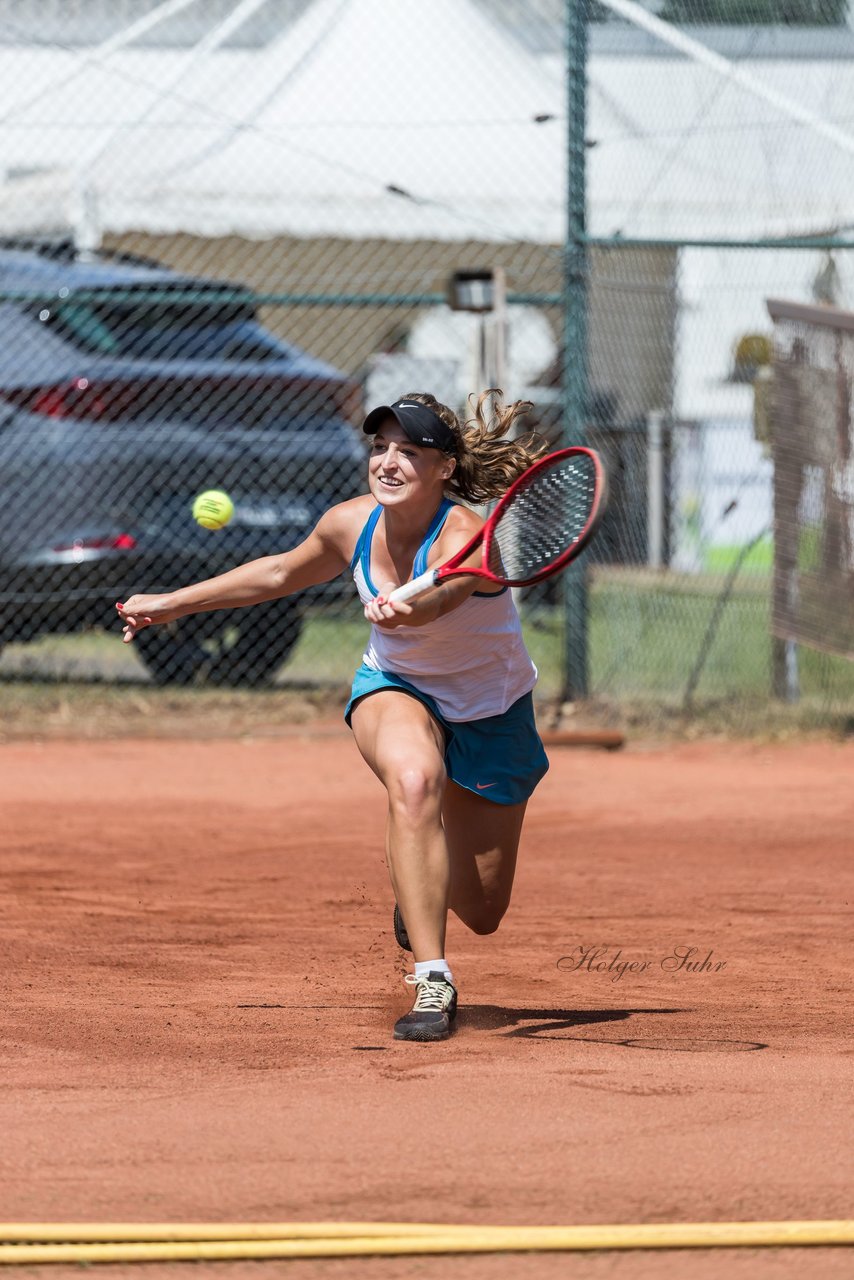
433	1012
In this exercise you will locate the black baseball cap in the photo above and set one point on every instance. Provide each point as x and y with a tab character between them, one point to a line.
421	424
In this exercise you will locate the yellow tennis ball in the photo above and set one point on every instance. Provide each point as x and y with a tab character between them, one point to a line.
213	509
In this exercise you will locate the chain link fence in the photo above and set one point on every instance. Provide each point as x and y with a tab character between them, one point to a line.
229	229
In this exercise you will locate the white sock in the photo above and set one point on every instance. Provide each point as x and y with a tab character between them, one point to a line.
423	967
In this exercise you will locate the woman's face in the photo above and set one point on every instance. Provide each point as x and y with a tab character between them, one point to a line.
400	471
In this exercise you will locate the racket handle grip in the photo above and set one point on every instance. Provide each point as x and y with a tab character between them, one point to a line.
416	587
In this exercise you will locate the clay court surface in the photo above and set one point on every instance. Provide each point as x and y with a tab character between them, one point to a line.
199	982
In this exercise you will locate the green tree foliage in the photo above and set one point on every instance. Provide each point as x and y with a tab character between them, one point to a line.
760	13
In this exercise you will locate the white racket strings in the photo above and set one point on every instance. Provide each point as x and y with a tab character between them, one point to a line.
545	518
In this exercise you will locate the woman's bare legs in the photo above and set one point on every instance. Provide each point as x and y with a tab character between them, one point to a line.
445	845
482	839
404	746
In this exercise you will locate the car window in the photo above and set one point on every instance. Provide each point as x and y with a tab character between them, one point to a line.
163	330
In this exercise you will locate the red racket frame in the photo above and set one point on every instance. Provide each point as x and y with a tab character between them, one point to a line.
451	569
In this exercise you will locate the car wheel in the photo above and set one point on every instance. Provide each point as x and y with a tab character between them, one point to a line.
230	647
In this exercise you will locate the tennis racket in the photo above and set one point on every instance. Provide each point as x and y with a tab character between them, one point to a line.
545	519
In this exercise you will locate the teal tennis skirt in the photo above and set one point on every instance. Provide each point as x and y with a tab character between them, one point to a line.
500	757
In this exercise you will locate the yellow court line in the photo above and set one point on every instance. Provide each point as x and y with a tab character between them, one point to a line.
312	1240
92	1232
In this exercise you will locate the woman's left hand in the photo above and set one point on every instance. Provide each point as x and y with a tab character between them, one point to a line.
386	613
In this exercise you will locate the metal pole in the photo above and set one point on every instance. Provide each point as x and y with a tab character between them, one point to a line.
574	373
499	330
655	489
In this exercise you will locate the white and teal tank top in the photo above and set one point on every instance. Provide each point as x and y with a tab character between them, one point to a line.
473	660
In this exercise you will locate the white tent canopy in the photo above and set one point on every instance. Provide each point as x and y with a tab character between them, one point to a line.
360	100
682	152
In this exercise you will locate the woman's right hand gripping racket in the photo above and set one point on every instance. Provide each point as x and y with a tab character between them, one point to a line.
545	519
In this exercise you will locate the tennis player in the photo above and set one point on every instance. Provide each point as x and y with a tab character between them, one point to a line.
441	707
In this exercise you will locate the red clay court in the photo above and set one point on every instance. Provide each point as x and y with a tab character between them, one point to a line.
200	980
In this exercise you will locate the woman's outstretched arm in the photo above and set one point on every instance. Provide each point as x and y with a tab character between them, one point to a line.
322	556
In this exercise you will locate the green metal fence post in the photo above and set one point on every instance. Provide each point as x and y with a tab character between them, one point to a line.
574	372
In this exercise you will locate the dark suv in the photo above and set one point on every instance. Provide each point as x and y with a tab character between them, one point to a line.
127	389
